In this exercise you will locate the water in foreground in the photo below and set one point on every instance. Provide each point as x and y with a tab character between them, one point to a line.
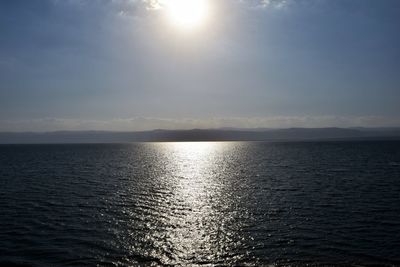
333	203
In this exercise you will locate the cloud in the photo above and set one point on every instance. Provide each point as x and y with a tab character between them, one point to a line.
138	8
150	123
128	7
272	3
157	4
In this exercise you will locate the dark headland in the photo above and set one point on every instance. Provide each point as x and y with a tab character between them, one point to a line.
224	134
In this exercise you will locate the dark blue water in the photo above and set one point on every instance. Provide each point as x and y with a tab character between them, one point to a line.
332	203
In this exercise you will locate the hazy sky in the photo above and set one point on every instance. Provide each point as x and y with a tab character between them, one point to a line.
121	65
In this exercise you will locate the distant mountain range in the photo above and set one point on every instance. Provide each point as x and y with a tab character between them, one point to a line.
223	134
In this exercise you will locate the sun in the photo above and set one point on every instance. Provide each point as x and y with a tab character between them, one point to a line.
187	14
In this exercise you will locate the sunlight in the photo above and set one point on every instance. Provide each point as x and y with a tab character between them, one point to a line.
187	14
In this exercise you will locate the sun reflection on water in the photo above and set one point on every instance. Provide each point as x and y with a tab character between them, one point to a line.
199	225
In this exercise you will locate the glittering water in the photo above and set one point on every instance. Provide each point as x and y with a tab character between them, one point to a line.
333	203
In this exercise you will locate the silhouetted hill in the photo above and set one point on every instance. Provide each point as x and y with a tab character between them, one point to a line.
290	134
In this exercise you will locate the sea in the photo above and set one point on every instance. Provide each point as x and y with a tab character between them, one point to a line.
331	203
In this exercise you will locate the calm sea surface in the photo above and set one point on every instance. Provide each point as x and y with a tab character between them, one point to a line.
244	203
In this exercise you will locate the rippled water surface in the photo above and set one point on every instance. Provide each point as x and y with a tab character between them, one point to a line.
333	203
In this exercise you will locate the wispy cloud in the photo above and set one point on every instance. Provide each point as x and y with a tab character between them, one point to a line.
136	8
267	3
157	4
129	7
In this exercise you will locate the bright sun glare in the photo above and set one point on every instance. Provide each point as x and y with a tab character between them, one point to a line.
187	14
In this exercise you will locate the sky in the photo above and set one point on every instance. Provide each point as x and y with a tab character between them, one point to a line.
122	65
